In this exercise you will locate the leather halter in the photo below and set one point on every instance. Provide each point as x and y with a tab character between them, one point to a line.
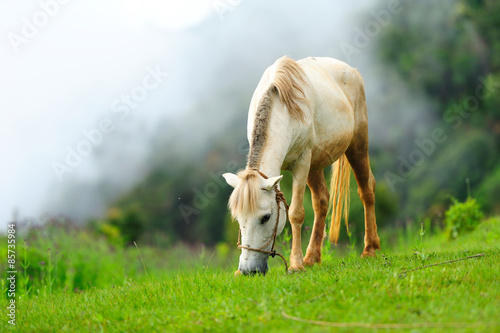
280	197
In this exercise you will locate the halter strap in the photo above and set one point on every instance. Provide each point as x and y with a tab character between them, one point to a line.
280	197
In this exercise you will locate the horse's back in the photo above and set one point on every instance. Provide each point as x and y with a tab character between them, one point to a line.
335	89
331	89
344	78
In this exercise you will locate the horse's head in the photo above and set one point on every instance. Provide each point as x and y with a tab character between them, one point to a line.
253	204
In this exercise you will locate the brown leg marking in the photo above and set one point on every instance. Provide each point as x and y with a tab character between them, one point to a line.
320	196
360	164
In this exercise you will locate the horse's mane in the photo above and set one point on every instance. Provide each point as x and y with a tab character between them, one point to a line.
288	78
287	83
245	197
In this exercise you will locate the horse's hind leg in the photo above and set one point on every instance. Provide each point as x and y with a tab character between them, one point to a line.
320	195
360	163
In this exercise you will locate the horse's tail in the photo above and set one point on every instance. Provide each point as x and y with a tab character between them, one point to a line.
339	196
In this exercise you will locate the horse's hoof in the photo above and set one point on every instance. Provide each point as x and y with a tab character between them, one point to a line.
296	268
369	250
311	260
368	254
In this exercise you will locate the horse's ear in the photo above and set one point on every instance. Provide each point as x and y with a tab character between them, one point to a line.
231	179
270	183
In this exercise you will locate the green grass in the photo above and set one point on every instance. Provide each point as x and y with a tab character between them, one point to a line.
345	289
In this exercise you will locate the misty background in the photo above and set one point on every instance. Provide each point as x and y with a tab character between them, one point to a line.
150	173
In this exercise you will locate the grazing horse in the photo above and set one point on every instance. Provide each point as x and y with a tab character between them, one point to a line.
304	116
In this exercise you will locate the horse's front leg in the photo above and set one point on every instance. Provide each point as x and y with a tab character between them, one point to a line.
296	212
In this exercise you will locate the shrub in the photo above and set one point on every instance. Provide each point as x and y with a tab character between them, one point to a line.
462	217
129	223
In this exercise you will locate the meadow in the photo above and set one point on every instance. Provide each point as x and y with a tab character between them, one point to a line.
156	248
78	281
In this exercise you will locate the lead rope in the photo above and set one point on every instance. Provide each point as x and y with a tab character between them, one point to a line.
280	197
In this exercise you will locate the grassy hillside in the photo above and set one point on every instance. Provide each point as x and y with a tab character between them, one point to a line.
463	295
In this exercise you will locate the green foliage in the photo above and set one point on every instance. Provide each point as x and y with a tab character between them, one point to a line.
231	229
285	239
129	222
64	256
222	249
488	191
420	246
463	217
444	64
327	251
185	199
449	50
25	285
352	245
428	190
111	232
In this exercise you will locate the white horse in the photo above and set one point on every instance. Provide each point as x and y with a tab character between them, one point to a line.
304	116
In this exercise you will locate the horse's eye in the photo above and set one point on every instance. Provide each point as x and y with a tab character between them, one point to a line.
265	218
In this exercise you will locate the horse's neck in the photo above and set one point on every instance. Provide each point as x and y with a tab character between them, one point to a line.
278	142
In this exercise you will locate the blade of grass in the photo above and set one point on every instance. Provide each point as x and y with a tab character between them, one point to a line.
145	270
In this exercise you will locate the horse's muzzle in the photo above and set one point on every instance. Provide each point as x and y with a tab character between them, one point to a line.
259	267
